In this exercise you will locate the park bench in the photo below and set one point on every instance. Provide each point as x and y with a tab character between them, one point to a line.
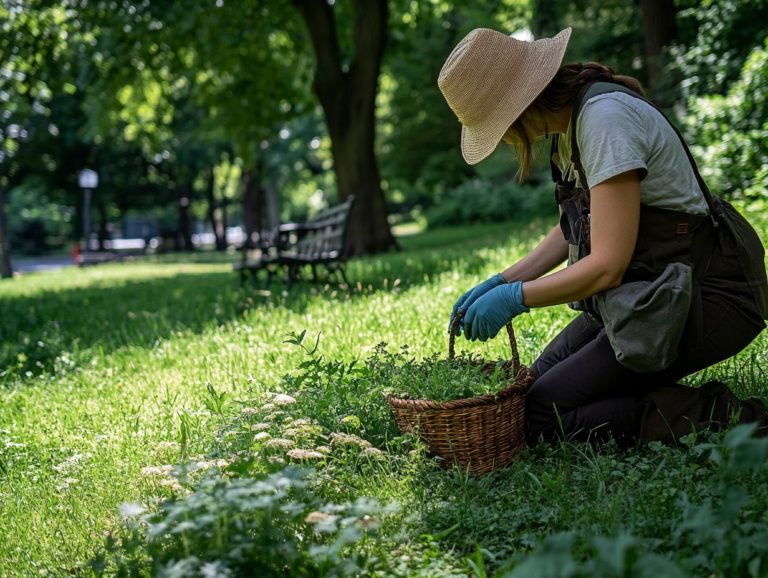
292	247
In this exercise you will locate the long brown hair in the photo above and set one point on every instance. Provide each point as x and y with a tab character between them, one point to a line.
557	95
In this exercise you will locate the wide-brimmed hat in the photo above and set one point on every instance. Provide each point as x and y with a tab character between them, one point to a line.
490	79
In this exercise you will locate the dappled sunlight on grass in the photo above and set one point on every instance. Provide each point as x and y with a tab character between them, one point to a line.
142	365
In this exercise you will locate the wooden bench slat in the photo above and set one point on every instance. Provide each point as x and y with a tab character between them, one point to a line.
317	241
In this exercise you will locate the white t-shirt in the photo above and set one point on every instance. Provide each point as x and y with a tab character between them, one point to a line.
617	133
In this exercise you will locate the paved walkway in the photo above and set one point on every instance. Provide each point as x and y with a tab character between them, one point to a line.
35	264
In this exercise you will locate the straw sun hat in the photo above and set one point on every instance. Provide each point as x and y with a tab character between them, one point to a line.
490	79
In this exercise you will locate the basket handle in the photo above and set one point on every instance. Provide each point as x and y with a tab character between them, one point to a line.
510	333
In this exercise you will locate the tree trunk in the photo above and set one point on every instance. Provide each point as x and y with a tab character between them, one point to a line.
250	215
659	30
271	206
546	18
214	212
184	233
6	270
347	94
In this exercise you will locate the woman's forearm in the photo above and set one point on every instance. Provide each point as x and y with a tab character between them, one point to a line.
615	213
547	255
582	279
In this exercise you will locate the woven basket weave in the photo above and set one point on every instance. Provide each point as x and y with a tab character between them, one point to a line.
479	434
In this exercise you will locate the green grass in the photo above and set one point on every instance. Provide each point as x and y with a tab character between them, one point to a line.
115	368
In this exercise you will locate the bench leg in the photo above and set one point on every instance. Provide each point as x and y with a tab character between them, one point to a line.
315	278
292	276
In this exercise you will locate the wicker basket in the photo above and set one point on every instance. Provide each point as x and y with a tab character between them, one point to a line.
479	434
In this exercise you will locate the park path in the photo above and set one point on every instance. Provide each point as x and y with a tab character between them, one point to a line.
37	264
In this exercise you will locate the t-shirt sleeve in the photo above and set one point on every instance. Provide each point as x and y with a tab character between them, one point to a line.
612	140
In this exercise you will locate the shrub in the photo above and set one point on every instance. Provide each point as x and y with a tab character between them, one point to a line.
732	132
483	200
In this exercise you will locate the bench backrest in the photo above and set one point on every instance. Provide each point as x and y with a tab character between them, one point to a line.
327	233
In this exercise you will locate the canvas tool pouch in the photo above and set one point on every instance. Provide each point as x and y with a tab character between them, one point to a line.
640	320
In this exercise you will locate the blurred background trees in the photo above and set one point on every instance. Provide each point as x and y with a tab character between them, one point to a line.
208	120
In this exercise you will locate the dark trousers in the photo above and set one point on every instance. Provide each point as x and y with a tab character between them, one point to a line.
581	391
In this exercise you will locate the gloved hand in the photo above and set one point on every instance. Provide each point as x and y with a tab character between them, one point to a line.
472	295
492	311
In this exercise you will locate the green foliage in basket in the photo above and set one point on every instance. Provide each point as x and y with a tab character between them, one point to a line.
435	377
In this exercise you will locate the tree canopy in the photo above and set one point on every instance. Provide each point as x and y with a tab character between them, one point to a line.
253	111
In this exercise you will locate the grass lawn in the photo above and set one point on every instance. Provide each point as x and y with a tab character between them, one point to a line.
113	375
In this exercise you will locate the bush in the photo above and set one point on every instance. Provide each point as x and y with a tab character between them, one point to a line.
715	38
732	132
482	200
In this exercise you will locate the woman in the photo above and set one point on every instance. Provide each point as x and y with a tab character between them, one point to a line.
634	214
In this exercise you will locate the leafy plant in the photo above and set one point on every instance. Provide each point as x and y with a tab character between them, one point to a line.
483	200
433	377
730	133
268	526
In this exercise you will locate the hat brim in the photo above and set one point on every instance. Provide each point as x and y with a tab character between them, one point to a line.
478	142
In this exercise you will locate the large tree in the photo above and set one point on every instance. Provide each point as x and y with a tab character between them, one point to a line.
659	30
346	87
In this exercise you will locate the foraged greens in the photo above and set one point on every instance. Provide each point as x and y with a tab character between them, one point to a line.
435	377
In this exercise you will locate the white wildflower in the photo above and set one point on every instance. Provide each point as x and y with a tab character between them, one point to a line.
70	462
349	440
207	465
130	510
282	399
373	452
279	443
260	426
317	517
261	436
369	522
151	471
170	483
67	482
249	410
168	446
298	454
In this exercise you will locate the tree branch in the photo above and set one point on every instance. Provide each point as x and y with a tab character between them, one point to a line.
320	21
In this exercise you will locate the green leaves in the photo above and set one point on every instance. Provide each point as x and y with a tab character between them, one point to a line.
730	132
433	377
271	525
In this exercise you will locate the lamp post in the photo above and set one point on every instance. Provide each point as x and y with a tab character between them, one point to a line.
88	180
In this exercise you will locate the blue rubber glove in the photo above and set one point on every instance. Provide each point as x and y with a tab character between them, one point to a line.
468	298
492	311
